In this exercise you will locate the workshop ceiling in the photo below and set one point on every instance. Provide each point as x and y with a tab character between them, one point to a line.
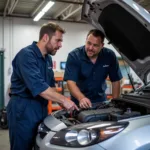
66	10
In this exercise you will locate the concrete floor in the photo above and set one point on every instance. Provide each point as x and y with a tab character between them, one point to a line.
4	140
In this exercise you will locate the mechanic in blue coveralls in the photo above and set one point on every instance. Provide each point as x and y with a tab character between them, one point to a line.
32	83
88	67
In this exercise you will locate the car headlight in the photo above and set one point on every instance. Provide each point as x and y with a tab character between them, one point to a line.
43	130
81	136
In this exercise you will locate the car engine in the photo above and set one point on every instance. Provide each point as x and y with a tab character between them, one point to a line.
104	111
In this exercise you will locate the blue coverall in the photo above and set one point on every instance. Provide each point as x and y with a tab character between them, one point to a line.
32	74
89	77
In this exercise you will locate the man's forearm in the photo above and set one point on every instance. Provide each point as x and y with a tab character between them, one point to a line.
116	89
74	90
51	94
54	88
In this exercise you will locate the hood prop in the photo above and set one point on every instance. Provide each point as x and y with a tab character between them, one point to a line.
129	75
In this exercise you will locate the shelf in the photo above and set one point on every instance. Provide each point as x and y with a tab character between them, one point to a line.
58	78
59	89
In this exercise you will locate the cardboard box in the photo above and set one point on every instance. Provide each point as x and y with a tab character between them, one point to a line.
58	74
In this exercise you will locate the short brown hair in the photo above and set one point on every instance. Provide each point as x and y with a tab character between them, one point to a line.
50	28
97	33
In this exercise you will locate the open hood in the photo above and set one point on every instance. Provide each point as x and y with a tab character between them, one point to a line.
126	26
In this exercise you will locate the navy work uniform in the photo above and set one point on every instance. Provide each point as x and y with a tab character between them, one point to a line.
89	77
32	74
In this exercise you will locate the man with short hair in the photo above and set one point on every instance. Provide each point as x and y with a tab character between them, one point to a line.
32	84
87	68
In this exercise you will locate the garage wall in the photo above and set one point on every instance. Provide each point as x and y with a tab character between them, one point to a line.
1	29
7	38
19	33
25	31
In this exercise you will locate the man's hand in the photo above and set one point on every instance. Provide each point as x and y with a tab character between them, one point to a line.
85	103
69	105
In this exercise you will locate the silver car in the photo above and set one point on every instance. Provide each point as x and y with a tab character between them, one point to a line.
123	123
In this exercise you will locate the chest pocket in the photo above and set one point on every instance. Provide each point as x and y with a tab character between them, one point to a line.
86	70
103	70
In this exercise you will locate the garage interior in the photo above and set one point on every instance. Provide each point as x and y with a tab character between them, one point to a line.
19	27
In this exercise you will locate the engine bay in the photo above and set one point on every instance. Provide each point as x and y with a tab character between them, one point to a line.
104	111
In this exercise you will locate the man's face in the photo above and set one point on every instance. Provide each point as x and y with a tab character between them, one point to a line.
93	46
54	43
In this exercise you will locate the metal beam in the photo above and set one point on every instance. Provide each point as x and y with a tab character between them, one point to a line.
64	1
12	7
78	18
6	7
69	10
37	8
73	21
72	13
44	18
61	12
19	15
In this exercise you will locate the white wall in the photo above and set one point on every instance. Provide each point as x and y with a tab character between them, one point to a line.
25	31
1	32
7	37
19	33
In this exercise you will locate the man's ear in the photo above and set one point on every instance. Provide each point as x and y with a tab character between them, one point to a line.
102	45
45	38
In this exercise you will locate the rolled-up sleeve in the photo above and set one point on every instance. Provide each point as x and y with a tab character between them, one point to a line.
72	68
114	70
30	74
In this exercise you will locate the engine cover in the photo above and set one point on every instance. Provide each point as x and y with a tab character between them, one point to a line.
97	115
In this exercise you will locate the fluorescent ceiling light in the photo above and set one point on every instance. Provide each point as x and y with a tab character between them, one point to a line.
44	10
38	16
48	6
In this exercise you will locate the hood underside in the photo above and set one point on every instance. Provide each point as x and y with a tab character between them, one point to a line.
126	26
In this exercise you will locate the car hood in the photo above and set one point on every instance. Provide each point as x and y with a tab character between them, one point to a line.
126	26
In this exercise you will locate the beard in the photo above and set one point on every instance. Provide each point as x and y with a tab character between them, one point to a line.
91	54
50	49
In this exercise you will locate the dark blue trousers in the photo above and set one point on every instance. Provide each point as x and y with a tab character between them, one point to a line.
24	115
